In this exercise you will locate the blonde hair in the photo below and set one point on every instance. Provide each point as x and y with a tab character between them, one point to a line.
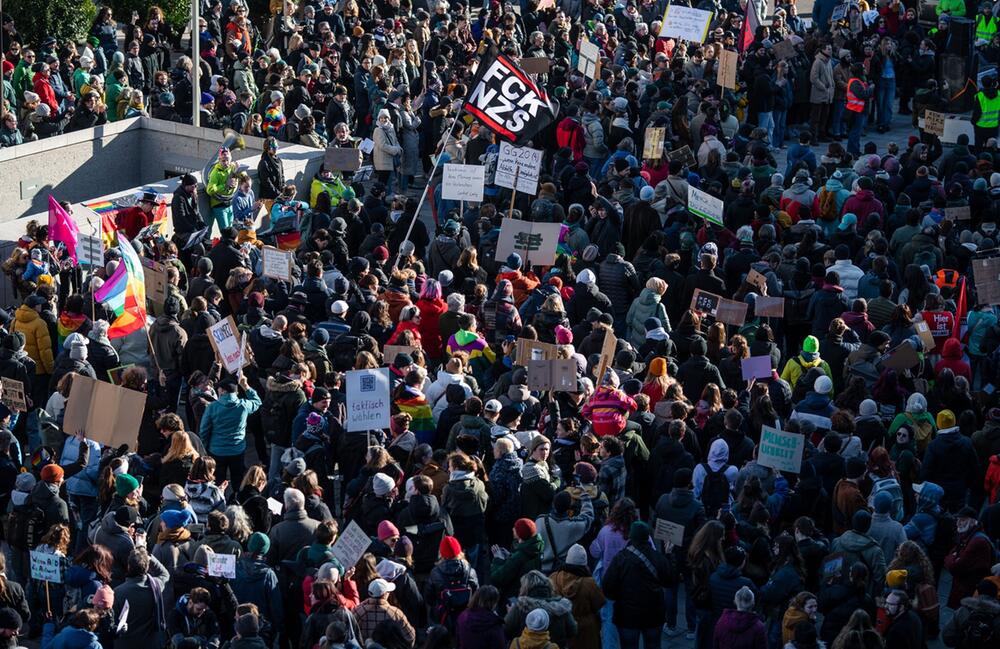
180	447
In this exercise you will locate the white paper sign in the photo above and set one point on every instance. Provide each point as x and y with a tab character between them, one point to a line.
463	183
90	250
669	532
685	23
351	545
368	400
780	450
522	162
590	54
222	565
122	618
955	126
535	242
367	146
276	263
46	567
227	344
275	506
705	205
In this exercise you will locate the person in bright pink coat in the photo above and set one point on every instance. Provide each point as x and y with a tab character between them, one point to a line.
609	408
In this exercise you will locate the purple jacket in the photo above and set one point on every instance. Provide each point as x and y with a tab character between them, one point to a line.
739	630
478	628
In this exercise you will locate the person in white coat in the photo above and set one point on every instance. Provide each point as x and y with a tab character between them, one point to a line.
387	152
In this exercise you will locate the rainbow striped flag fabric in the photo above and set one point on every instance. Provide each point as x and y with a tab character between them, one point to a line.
125	293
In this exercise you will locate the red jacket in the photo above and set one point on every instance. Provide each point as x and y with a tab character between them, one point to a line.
46	94
968	562
992	482
569	134
951	357
430	326
131	221
523	283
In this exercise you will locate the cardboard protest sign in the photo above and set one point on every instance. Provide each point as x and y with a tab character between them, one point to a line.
962	213
769	307
535	65
46	567
732	312
533	350
277	263
685	23
608	348
705	205
590	57
669	532
558	375
934	122
535	242
728	62
13	395
757	280
155	275
756	367
463	183
342	158
652	146
368	399
222	565
684	155
902	357
924	332
225	339
705	302
780	450
108	414
351	545
389	352
986	273
89	250
784	49
520	162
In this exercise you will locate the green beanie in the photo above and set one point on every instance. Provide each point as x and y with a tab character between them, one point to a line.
810	345
258	543
125	484
638	534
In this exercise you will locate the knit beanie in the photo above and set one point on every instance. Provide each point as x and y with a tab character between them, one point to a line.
576	556
882	502
449	547
524	529
258	543
638	533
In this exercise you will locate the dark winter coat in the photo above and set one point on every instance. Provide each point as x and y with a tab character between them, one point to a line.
637	593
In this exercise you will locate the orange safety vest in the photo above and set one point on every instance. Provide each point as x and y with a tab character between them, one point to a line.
947	277
853	102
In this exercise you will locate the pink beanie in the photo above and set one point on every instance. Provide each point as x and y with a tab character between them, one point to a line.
563	335
386	530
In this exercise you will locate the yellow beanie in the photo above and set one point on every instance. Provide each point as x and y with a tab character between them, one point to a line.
945	419
896	578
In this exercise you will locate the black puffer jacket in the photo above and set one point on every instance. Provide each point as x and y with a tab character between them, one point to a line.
619	281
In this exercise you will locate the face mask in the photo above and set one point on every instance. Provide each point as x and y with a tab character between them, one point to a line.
395	215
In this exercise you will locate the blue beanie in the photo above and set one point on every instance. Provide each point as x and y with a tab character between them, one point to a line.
176	518
882	502
320	336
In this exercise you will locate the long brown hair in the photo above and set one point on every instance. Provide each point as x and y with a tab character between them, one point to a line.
707	544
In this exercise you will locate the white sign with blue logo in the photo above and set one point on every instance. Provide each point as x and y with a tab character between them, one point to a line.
368	399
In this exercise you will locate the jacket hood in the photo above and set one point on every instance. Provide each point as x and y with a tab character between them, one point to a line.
851	541
464	337
518	393
276	384
930	496
649	297
25	314
718	455
952	349
982	604
74	638
834	185
741	621
554	606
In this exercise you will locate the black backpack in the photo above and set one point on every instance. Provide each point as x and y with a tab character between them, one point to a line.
980	631
453	599
944	537
343	352
26	526
715	489
275	422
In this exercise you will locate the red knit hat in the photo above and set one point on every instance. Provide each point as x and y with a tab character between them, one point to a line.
524	528
450	548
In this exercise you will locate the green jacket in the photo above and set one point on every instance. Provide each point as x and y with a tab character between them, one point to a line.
115	88
506	573
21	81
951	7
218	194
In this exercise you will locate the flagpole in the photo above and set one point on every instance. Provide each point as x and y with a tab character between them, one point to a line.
430	176
93	274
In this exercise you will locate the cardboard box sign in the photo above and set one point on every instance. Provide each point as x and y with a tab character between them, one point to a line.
652	147
727	69
557	375
533	350
902	357
389	352
13	395
535	65
342	158
108	414
155	275
769	307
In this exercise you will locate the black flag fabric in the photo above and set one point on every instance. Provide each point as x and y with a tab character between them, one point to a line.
507	102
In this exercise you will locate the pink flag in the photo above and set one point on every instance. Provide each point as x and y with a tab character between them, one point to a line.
62	227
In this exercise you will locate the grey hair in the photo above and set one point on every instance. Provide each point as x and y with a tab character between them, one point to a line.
239	523
294	500
532	581
744	599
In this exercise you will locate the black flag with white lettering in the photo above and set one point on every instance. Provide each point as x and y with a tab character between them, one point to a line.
507	101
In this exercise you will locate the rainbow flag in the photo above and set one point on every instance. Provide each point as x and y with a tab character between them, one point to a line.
67	324
415	404
107	211
125	293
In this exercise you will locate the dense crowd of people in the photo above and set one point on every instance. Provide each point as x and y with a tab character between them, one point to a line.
632	510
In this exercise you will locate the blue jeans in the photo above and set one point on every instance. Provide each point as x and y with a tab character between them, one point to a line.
885	95
766	120
651	637
670	599
837	118
854	135
778	135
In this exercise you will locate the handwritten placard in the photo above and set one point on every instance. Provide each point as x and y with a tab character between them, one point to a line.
351	545
225	339
277	263
669	532
934	122
13	395
780	450
222	565
46	567
463	183
685	23
705	205
521	162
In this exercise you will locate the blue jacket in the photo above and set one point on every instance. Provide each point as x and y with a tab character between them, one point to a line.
224	424
723	584
256	582
69	638
299	423
923	526
83	483
798	153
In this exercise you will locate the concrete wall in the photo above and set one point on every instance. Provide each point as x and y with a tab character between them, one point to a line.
141	152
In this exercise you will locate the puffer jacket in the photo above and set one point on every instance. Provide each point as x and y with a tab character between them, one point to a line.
867	550
799	194
575	584
593	135
862	204
647	305
562	624
608	410
224	424
205	498
436	391
37	341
